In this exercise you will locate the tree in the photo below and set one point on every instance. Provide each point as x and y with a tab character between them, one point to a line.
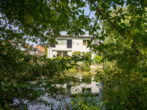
124	53
122	43
97	58
22	75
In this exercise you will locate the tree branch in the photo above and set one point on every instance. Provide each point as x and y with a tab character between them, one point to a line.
116	28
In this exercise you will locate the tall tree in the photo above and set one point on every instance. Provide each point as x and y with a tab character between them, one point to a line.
124	51
37	21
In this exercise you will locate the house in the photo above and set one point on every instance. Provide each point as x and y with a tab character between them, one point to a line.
39	50
66	45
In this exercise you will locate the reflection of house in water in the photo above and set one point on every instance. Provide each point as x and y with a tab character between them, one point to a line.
92	88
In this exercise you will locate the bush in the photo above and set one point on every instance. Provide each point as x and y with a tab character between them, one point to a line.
86	66
97	58
77	53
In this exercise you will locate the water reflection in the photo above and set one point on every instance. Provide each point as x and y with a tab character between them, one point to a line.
86	86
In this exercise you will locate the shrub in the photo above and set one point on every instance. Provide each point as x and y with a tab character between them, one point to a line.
77	53
97	58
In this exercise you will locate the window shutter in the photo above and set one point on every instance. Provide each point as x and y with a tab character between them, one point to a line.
69	43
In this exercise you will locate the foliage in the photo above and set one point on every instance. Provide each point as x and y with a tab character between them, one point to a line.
23	75
87	56
45	21
86	66
77	53
86	103
38	21
97	58
87	61
83	57
118	25
124	53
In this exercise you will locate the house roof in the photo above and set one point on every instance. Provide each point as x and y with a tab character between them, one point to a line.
68	36
40	48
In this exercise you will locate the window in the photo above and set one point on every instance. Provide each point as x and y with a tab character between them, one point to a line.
69	43
84	42
61	42
59	53
62	53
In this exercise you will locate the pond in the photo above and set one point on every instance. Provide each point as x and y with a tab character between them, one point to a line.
61	102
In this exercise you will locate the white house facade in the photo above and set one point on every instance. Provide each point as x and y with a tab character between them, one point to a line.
66	45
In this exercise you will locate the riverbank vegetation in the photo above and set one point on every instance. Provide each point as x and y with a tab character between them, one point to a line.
118	31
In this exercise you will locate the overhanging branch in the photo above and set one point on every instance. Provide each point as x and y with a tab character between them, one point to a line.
116	28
